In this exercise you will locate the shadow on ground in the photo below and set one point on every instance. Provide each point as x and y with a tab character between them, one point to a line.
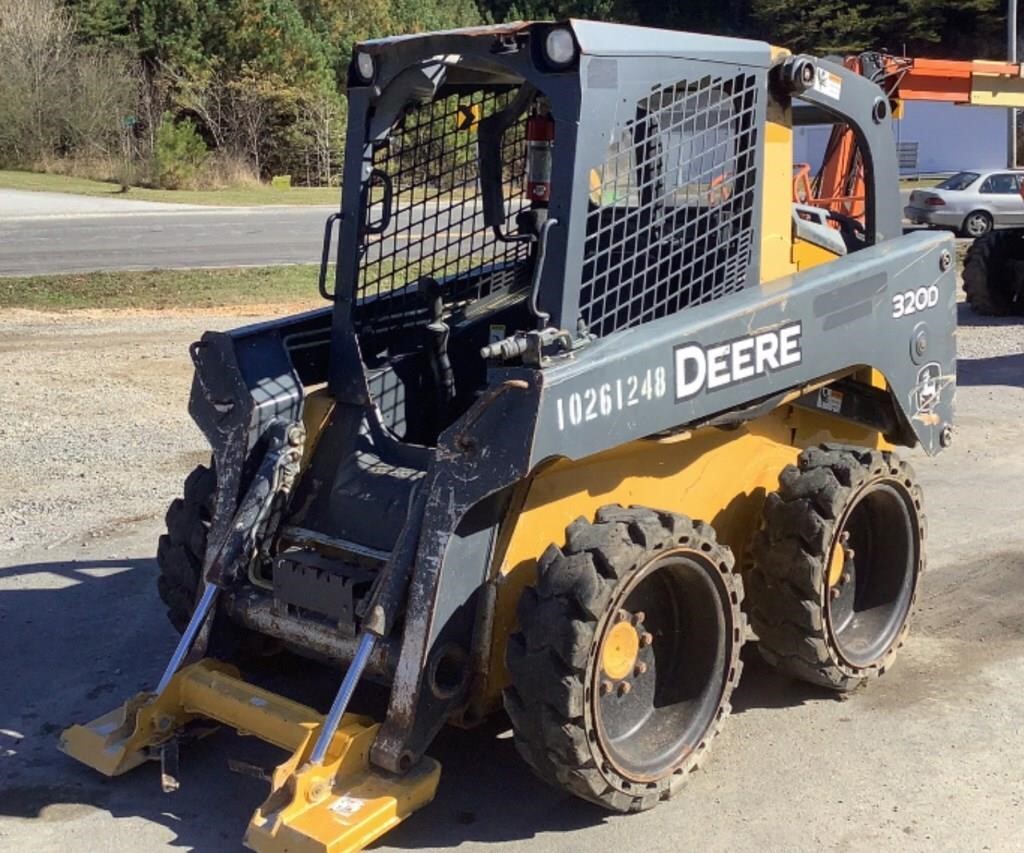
80	637
993	370
967	316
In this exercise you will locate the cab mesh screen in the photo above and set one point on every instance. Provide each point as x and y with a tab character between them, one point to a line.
670	221
436	229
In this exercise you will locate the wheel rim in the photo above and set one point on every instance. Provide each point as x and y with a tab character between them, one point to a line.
977	224
869	597
650	719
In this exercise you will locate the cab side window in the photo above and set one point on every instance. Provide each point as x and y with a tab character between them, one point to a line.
1003	184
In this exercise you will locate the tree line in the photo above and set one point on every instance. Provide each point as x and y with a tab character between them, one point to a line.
179	93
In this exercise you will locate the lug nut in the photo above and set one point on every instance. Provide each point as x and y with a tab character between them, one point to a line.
844	537
834	593
606	688
624	688
621	616
638	617
639	669
845	579
645	640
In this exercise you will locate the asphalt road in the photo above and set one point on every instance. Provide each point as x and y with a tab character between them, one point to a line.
72	234
95	442
206	237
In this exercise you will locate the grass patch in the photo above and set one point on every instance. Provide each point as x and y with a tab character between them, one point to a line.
921	183
163	289
239	197
259	196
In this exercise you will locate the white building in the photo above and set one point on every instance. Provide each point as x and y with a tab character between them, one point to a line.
949	137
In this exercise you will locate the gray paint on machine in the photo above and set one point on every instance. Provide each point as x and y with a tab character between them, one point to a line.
875	339
661	348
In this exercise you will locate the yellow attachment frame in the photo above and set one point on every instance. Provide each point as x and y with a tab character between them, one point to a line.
340	805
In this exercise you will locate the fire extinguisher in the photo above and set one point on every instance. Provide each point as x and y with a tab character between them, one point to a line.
540	140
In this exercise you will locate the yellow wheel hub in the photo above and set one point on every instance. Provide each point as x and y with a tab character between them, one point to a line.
618	654
836	564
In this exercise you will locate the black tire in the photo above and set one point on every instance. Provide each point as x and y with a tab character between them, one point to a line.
561	699
820	612
976	224
182	548
994	274
180	555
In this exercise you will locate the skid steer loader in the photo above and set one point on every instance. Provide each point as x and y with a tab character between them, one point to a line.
590	395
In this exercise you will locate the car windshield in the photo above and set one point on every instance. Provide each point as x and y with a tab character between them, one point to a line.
959	181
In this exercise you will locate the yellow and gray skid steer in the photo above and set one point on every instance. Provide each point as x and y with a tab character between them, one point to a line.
592	403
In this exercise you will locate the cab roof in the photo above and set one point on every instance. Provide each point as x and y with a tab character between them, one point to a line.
598	38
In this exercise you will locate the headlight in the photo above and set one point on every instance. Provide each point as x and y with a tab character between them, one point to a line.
364	67
559	47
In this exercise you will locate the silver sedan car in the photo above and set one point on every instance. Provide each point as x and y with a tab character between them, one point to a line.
972	203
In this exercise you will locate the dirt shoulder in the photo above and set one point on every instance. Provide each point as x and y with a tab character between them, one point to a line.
96	434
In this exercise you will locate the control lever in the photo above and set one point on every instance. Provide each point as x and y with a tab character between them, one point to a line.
440	364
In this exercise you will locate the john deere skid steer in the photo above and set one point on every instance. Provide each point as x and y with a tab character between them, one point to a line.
592	400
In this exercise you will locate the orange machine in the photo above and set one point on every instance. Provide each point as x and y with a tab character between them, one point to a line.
839	184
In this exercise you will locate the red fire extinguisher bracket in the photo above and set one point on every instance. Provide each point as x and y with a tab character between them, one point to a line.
540	140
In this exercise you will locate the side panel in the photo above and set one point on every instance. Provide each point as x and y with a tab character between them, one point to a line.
859	310
716	475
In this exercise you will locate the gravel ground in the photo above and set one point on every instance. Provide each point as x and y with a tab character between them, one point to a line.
100	435
95	442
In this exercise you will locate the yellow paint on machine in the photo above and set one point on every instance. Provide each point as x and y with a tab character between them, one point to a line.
776	177
317	408
807	255
717	475
618	655
338	806
777	195
997	90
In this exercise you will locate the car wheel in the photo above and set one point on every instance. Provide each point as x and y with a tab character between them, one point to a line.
976	224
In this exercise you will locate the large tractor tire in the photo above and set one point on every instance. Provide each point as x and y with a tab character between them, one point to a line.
182	548
835	565
994	274
626	657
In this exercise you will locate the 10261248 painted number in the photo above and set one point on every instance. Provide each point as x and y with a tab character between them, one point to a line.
617	395
914	301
